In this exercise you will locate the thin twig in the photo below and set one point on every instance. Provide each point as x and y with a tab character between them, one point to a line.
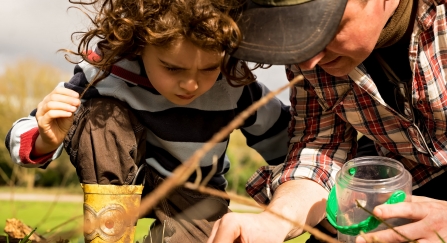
198	176
150	232
385	223
55	201
63	235
12	186
182	173
64	223
210	175
163	234
5	177
245	201
226	195
374	240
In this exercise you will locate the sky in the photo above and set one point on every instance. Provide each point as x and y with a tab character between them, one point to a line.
38	28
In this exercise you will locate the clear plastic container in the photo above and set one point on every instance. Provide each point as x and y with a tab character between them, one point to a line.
370	181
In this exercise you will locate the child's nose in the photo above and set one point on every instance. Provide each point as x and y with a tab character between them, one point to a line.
189	85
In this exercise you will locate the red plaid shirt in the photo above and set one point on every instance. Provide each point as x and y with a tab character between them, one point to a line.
327	112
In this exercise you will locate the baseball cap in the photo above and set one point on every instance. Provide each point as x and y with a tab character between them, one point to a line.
287	31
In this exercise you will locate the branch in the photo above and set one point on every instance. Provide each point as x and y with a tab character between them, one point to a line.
385	223
245	201
182	173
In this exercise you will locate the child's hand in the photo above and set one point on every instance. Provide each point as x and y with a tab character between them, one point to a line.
54	117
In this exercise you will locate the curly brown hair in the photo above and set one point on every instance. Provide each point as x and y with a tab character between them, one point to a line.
122	28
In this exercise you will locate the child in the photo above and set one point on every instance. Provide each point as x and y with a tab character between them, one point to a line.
157	87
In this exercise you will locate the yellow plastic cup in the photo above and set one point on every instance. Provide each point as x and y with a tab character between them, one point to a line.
110	212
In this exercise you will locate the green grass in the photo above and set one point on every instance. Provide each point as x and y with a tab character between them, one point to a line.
32	213
70	190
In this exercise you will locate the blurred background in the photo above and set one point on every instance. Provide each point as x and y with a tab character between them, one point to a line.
31	32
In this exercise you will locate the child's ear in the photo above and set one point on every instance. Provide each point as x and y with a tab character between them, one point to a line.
133	57
137	55
141	48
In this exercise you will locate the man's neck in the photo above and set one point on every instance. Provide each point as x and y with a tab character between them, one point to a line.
397	25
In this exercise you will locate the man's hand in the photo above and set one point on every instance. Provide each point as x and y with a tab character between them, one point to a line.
302	201
429	219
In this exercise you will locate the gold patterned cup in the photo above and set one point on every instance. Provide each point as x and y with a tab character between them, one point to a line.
110	212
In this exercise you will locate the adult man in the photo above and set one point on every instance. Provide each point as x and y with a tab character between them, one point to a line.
371	66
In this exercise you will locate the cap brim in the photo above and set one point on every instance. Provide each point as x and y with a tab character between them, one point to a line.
287	34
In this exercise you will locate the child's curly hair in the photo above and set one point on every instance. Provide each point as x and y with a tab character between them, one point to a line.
122	28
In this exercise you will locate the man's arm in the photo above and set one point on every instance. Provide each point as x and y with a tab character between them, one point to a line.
296	189
302	201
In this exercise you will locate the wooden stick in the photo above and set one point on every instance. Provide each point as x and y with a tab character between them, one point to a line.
245	201
182	173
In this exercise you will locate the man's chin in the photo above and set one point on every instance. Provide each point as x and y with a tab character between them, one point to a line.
338	72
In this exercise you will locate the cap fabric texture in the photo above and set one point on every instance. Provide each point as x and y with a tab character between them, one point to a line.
287	31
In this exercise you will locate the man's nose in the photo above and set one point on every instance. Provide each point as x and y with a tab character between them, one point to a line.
311	63
189	85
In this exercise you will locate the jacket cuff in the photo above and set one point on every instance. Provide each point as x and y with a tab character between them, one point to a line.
27	141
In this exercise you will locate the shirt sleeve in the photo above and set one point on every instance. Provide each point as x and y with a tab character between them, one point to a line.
266	129
320	143
20	141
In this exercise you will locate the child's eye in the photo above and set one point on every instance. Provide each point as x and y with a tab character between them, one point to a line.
171	69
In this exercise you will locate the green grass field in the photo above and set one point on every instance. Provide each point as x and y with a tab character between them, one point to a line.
52	218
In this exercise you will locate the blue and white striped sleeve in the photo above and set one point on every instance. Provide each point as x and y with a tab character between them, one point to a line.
266	130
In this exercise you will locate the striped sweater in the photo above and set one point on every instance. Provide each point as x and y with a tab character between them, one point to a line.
173	132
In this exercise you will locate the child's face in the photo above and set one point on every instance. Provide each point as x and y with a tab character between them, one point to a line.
183	72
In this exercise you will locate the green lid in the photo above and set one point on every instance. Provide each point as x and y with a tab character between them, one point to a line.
366	225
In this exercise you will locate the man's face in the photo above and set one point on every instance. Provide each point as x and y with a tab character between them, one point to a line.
183	72
356	37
